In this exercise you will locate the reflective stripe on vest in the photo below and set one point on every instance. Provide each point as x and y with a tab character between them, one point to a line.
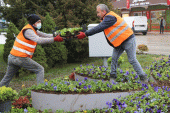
26	44
22	50
119	32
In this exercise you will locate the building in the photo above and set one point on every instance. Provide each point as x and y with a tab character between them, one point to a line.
153	9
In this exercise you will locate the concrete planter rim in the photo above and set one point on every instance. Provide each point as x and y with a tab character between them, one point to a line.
73	102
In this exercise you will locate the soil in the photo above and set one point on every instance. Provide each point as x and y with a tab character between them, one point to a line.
83	92
161	83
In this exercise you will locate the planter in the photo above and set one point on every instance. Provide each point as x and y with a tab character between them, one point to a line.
73	102
5	106
79	77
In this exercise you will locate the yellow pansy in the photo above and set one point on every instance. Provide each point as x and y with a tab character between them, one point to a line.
23	86
45	80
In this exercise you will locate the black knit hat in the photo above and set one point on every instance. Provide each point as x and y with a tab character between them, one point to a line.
33	18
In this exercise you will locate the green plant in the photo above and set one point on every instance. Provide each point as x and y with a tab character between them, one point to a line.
12	29
149	99
120	60
7	93
60	85
142	48
95	72
22	102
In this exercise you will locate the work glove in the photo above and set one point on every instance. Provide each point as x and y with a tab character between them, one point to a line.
58	38
81	35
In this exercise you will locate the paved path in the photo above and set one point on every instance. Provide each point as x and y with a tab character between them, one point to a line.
157	43
2	38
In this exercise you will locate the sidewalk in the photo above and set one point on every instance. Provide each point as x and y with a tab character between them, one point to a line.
156	32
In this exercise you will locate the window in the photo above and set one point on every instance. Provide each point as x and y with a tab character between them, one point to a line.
137	14
156	16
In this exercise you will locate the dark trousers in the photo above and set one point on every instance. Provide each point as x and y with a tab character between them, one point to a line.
161	29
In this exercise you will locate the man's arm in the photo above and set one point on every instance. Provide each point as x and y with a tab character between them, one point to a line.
45	35
108	21
30	34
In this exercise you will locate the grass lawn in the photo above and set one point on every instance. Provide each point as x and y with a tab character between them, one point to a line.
66	69
3	65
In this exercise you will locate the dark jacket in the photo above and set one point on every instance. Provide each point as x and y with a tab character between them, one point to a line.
108	21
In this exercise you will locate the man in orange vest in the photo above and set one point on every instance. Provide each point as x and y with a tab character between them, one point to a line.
120	36
24	47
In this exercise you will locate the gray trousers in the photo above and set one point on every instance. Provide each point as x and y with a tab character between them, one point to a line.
130	47
15	63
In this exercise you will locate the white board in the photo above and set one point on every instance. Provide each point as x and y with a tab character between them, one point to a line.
98	45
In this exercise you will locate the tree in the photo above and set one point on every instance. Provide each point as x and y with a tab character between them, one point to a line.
65	13
56	52
12	30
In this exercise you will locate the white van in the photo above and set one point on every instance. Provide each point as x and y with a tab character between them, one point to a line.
137	23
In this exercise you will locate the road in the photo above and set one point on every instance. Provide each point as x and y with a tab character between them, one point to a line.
157	43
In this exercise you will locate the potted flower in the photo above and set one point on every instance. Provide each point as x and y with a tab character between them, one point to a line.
7	95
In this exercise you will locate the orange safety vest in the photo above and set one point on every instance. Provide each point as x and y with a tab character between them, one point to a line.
23	47
118	32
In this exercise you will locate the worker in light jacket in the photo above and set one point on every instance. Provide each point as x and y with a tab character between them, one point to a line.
162	25
120	36
23	50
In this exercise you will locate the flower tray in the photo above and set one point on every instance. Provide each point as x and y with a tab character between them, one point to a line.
73	102
5	106
79	77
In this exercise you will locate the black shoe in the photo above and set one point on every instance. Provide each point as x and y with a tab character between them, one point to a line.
143	79
113	78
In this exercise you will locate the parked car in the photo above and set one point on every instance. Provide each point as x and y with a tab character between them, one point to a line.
137	23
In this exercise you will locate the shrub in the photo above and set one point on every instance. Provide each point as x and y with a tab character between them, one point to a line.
56	52
120	60
142	48
12	29
77	49
7	93
22	102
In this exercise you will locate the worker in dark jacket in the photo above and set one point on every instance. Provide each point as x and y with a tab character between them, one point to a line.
23	50
120	36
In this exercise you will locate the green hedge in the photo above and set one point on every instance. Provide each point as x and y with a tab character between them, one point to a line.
154	7
77	49
168	16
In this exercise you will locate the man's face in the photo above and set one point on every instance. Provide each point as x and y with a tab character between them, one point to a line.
100	13
39	21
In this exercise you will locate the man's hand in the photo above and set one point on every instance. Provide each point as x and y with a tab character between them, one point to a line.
58	38
81	35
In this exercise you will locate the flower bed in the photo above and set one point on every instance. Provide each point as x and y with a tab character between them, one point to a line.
149	100
77	94
94	72
160	70
80	77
